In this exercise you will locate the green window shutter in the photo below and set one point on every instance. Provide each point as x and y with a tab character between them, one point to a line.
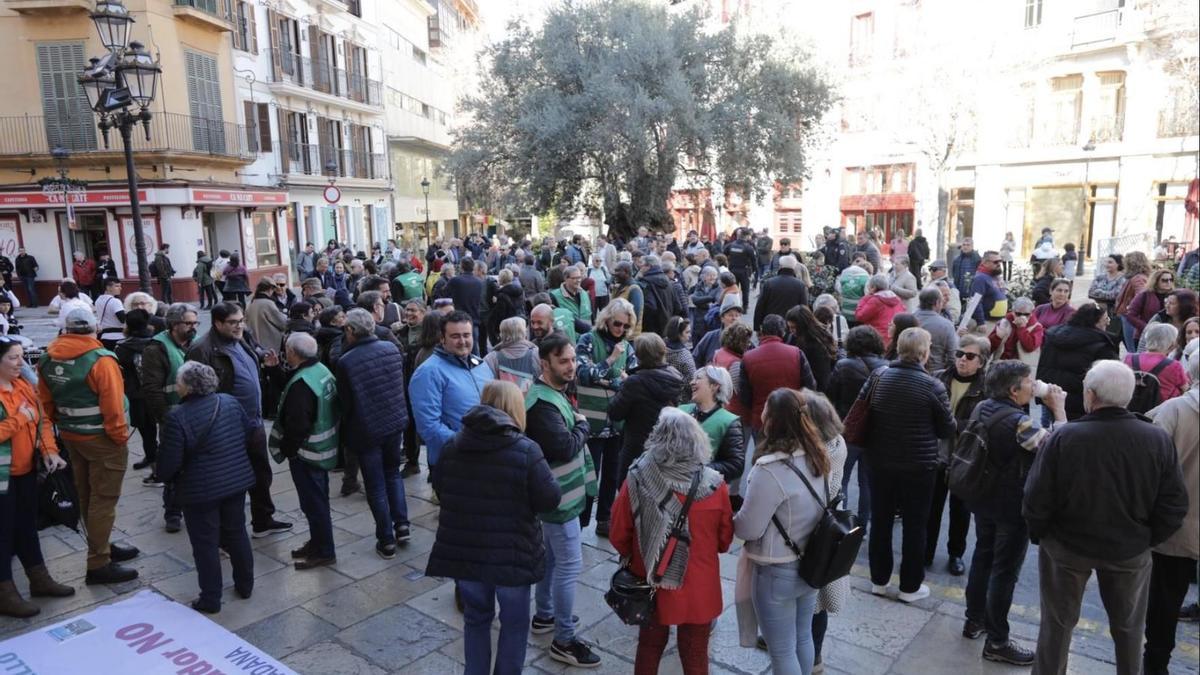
204	103
68	119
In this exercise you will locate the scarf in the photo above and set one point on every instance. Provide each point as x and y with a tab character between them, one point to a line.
655	478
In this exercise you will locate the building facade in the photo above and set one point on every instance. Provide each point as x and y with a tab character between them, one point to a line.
191	193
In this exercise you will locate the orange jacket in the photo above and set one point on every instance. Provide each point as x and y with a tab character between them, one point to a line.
16	428
104	379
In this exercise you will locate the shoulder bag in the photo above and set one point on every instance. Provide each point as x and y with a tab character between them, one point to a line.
833	546
855	432
632	597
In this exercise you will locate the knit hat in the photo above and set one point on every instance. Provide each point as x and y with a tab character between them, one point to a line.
731	301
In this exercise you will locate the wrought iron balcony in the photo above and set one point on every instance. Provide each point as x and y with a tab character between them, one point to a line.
1097	28
170	133
212	14
310	159
320	75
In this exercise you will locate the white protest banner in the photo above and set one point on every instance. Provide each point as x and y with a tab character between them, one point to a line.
969	310
147	634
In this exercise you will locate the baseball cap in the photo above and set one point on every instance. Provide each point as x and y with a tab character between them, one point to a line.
731	302
80	318
937	265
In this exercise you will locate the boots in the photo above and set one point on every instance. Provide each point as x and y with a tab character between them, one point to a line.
12	604
42	585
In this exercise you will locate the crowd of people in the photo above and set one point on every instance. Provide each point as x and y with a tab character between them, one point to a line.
625	386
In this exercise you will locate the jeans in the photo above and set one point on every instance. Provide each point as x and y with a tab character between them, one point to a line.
1169	578
912	492
385	489
1127	335
220	523
312	489
262	507
960	521
853	455
693	648
607	457
18	525
1062	578
555	593
479	608
784	605
31	290
1000	546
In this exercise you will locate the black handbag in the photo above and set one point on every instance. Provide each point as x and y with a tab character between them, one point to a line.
833	546
632	597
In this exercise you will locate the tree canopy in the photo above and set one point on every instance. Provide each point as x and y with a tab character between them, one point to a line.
610	104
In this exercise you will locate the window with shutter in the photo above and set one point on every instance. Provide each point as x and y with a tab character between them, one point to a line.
264	127
204	101
252	127
69	122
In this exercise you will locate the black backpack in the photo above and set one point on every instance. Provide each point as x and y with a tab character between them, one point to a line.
833	546
1147	390
971	473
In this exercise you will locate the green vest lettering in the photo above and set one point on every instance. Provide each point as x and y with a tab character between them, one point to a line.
564	321
413	285
77	405
320	448
577	476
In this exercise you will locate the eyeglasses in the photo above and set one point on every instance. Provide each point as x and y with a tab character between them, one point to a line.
190	323
1025	314
970	356
280	285
1167	279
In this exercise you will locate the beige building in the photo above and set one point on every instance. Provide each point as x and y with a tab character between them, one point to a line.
189	168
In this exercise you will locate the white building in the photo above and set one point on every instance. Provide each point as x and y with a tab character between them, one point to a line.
309	90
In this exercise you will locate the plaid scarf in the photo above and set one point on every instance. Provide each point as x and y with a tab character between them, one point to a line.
654	482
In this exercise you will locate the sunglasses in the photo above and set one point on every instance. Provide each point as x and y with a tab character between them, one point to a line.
280	285
1025	314
970	356
619	324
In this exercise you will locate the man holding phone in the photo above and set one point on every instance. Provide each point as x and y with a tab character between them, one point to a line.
239	362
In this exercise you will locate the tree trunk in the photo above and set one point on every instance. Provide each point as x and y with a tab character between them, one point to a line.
943	242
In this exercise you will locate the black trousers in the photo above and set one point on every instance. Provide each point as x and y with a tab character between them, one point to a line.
262	508
18	524
960	521
912	493
607	457
149	431
743	279
165	284
1000	546
210	526
1169	578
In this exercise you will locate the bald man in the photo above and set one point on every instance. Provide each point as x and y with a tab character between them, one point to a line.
541	322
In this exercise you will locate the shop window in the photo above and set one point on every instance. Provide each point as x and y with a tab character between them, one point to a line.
265	244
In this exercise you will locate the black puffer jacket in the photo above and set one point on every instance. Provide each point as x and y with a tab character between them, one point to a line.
203	449
370	374
509	302
910	411
1067	354
847	380
640	399
778	295
492	481
659	301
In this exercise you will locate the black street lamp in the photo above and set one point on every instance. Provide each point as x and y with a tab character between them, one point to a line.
124	77
425	189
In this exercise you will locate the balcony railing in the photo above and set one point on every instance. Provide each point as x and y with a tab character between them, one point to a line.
169	132
320	75
310	159
1096	28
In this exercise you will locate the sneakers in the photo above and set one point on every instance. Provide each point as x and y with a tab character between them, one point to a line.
152	481
386	551
403	534
274	527
1009	652
138	466
602	528
919	594
173	525
576	654
541	626
972	630
881	591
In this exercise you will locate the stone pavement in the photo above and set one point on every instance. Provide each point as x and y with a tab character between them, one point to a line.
370	616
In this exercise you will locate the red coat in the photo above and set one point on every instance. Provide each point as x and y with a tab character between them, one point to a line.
84	272
1030	337
877	309
710	524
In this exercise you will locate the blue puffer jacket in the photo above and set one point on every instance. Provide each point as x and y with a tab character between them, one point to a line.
205	455
370	381
443	389
910	411
492	481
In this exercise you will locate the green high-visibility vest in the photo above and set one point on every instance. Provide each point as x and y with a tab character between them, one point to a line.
580	308
175	358
577	476
320	448
593	401
413	285
564	321
715	425
77	405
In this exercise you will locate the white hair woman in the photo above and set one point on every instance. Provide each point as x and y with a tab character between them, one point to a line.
211	430
684	566
1159	342
514	358
712	388
1019	335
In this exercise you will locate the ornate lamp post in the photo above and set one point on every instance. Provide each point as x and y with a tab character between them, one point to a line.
425	189
126	76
